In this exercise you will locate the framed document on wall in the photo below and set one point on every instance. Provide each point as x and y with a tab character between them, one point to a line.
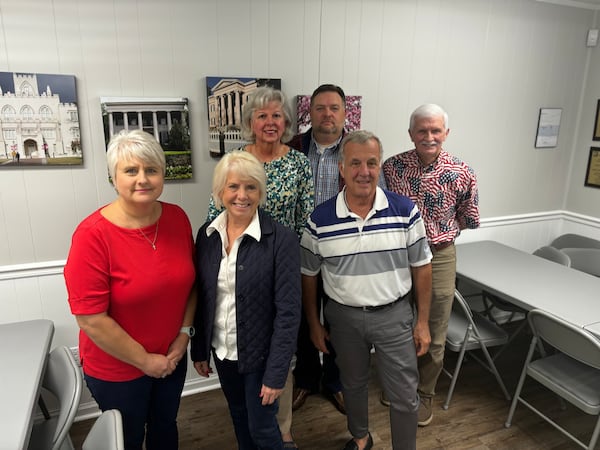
548	126
592	174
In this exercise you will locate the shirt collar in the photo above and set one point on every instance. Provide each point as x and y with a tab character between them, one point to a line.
315	147
342	210
220	224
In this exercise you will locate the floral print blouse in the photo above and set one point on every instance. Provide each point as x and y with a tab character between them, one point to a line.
290	191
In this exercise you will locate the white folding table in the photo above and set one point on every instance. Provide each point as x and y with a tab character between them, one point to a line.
531	282
24	348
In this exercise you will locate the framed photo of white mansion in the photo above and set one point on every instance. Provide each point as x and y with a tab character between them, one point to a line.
39	120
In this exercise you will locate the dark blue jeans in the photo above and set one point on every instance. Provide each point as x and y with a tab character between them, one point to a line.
255	425
148	406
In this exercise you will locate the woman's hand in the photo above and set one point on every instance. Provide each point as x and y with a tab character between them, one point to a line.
202	368
158	366
178	348
269	395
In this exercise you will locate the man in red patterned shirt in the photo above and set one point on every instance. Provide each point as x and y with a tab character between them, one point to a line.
445	190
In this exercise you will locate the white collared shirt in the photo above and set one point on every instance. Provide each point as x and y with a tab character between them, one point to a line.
224	339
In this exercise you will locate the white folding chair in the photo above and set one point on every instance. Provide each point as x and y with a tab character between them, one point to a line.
106	433
469	331
572	372
64	380
585	259
571	240
553	254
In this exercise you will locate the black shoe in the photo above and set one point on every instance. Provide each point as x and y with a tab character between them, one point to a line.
351	444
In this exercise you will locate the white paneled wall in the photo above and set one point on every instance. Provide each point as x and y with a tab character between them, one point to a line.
491	64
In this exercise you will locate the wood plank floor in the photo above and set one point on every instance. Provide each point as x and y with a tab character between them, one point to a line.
475	419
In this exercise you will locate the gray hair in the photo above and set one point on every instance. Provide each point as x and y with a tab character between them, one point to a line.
243	164
359	137
134	144
260	98
428	111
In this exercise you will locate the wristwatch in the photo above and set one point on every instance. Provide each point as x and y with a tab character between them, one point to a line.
190	331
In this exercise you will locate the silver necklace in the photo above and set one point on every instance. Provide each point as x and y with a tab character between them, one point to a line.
153	241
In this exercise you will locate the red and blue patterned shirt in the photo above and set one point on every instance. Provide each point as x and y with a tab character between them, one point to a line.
445	192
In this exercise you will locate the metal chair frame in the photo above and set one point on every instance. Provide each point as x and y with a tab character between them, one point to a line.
64	380
572	372
469	331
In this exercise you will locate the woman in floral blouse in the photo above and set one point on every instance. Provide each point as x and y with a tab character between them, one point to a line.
266	122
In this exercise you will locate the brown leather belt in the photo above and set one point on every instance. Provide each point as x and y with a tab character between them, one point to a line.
441	246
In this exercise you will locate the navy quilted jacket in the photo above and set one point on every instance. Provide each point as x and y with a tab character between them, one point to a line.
268	299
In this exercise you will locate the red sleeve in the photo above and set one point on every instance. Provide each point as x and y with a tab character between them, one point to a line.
87	269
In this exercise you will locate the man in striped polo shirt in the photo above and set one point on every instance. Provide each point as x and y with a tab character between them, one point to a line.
370	247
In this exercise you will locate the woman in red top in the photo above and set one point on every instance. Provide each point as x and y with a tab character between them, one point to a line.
130	276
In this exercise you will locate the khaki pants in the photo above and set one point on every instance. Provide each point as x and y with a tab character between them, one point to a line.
284	416
443	284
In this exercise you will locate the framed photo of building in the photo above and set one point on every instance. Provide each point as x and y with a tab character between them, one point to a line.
353	112
166	118
226	96
39	120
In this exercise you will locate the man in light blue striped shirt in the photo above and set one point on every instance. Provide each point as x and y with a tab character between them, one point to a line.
370	247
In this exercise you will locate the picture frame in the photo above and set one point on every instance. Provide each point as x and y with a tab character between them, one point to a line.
225	99
353	112
39	121
596	136
592	173
548	127
166	118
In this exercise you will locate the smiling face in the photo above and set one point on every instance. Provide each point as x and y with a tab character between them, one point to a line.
428	134
240	197
268	123
138	183
360	169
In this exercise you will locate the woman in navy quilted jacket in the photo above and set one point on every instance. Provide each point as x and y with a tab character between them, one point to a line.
248	279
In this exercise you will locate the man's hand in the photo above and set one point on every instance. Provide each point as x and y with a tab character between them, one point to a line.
422	338
318	335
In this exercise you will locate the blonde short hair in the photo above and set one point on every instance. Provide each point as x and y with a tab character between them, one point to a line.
135	144
244	165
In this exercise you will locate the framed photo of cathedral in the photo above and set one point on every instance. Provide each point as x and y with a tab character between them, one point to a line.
39	120
226	97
